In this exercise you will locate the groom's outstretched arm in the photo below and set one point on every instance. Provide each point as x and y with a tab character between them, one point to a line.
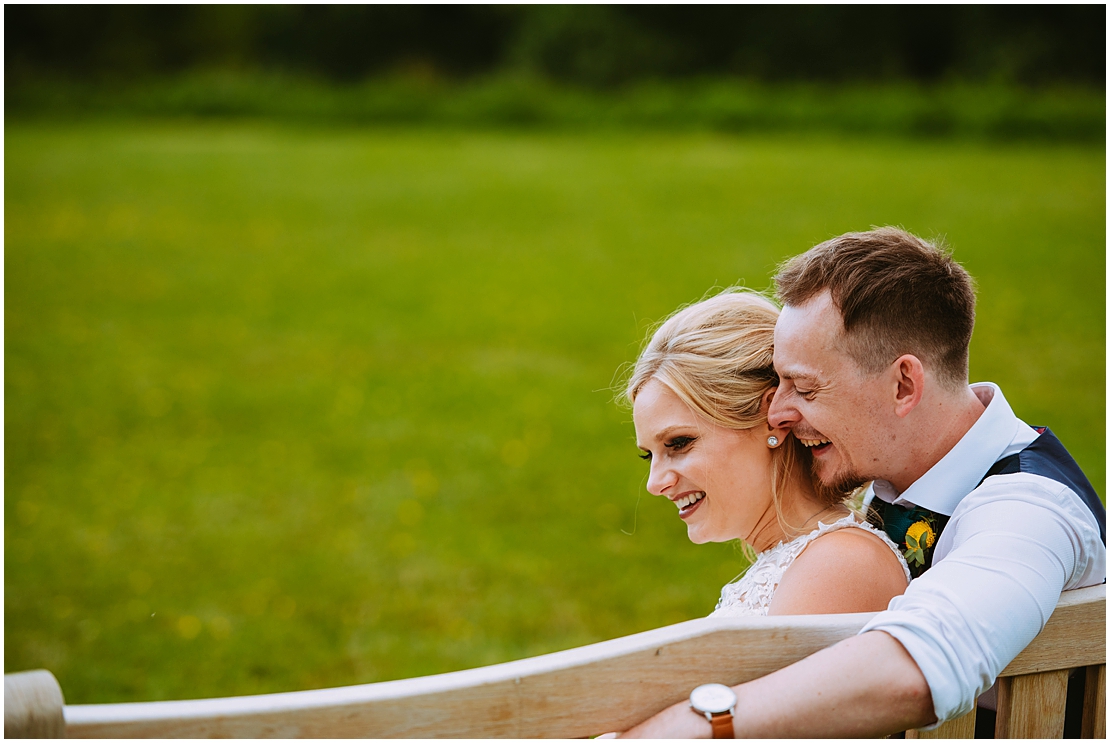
865	686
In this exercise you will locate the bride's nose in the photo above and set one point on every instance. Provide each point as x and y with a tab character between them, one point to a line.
661	478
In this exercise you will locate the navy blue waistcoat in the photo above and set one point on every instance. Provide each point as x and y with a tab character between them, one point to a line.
1047	457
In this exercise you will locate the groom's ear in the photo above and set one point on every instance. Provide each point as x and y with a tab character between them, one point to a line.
909	383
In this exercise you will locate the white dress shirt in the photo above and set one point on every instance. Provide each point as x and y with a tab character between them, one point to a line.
1012	545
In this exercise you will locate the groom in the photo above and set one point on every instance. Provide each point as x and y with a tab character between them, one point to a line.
994	515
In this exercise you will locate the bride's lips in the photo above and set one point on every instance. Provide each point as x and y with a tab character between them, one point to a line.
696	498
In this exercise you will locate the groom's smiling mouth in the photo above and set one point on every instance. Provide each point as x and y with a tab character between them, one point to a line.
815	445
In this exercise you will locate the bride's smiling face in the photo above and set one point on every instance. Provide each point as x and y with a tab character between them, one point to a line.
718	478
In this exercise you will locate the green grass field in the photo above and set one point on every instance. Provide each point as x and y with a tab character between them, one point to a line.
296	408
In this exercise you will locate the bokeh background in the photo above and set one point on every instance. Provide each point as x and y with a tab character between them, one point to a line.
313	315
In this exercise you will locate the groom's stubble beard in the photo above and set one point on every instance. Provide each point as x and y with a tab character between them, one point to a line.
845	482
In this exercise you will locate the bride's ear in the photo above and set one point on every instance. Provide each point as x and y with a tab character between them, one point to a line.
775	436
765	401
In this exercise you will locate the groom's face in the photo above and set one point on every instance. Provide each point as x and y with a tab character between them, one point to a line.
832	406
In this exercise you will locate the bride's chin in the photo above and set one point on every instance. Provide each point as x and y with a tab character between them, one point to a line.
697	536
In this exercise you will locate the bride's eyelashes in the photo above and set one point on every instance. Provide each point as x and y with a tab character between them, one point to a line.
678	443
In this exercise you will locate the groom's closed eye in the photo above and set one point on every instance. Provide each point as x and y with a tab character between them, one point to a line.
804	386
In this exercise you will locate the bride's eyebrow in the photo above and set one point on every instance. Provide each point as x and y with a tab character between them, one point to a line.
671	429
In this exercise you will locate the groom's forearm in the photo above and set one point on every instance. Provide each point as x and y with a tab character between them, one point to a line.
865	686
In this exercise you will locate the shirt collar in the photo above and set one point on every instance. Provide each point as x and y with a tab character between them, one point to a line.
962	469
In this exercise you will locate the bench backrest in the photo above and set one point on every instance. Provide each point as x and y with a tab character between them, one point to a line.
580	692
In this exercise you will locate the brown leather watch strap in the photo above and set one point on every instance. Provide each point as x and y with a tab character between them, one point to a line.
722	725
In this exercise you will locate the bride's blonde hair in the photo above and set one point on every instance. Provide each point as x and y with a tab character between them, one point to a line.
716	356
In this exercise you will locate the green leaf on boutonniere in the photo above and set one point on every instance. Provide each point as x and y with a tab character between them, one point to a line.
915	554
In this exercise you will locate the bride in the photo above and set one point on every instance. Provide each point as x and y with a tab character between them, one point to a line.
700	392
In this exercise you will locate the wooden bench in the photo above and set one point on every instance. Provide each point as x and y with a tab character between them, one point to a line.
580	692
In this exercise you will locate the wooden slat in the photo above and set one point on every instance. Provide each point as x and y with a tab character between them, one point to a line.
1032	706
580	692
1074	636
961	727
1094	703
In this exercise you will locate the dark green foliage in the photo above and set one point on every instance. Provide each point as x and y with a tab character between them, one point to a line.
593	45
979	111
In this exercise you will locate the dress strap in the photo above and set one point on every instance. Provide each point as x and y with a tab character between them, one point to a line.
853	522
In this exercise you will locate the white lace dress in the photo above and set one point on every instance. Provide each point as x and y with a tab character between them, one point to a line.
750	595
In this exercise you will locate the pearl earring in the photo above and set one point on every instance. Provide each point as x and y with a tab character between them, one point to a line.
772	441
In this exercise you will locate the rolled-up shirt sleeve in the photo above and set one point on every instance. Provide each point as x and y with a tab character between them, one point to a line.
998	571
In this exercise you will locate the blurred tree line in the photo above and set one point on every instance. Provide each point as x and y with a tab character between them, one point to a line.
589	45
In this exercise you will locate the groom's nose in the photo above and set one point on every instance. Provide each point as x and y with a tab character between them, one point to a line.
782	413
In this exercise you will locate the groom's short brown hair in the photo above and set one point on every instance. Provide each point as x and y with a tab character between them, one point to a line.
896	294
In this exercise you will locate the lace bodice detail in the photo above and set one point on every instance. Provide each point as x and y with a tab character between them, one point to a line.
751	593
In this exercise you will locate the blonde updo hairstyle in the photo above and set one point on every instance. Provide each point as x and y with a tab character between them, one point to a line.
716	356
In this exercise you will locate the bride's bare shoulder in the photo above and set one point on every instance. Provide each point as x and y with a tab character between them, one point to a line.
847	570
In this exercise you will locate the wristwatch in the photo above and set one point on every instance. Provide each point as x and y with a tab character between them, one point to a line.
717	702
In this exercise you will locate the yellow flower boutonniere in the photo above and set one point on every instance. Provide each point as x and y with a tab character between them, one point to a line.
919	537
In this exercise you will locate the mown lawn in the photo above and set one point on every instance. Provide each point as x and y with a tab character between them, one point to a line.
292	408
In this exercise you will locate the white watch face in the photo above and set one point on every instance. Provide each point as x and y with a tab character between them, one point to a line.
712	698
